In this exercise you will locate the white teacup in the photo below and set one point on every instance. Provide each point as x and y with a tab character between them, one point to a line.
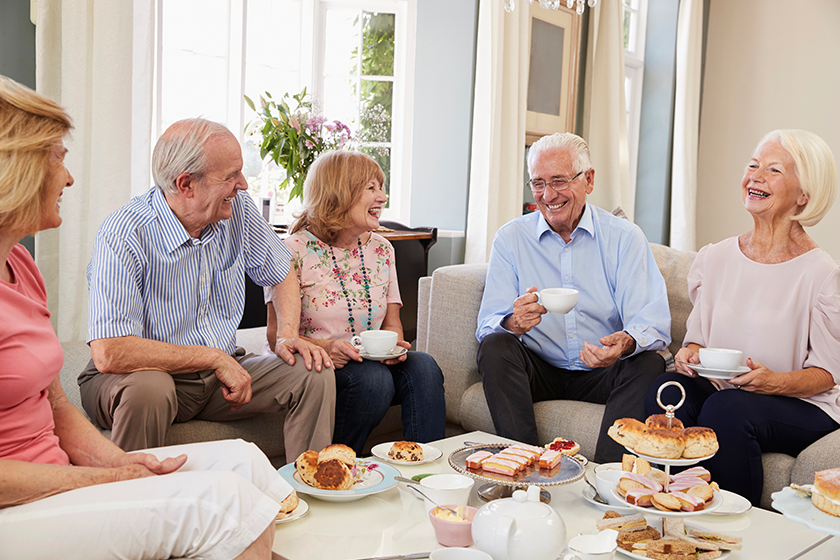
446	489
558	300
593	547
606	476
720	358
376	343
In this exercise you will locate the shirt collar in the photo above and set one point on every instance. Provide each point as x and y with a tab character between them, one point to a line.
174	234
585	223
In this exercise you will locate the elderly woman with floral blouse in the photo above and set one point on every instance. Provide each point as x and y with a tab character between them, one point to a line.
348	285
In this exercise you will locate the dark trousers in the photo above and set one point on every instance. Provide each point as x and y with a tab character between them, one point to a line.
514	378
746	425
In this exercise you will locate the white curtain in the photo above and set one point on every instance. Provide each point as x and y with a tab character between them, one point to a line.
94	57
686	125
498	137
604	114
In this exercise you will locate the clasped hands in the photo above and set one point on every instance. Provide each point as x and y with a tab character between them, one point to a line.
528	312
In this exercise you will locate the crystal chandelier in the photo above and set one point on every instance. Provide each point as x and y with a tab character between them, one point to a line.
579	5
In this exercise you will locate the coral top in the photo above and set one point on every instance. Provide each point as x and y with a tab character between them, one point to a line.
785	316
324	310
30	358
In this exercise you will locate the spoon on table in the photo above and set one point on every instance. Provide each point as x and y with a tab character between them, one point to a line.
597	497
450	510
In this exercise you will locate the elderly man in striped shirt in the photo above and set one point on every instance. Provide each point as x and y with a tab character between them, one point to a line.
167	292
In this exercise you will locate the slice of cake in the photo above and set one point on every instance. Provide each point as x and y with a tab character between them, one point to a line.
474	461
550	459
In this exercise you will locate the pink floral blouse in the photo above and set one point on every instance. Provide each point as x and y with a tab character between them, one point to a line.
324	311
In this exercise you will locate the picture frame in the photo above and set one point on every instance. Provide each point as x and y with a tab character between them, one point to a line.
552	79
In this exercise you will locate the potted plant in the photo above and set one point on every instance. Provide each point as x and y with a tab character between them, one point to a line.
294	137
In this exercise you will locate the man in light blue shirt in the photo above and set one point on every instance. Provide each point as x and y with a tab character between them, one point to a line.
167	292
603	350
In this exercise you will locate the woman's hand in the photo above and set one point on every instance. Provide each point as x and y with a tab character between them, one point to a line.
139	462
341	352
402	344
688	355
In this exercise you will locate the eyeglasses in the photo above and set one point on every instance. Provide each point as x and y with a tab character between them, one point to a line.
557	185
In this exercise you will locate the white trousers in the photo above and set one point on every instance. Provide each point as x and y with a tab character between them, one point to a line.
213	507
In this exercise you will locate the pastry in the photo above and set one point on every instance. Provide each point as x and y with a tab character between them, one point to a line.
406	451
666	502
660	422
564	445
333	474
699	442
306	465
550	459
664	444
826	493
289	504
474	461
627	431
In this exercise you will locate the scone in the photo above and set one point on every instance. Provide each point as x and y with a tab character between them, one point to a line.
627	431
406	451
664	444
338	451
306	465
564	445
826	493
699	442
333	475
288	505
660	422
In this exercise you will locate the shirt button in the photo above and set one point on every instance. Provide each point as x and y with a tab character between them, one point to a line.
571	336
566	278
566	249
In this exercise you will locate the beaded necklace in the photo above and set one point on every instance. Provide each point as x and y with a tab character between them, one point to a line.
340	277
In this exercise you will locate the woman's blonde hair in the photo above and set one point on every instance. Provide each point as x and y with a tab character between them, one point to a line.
334	182
815	168
30	126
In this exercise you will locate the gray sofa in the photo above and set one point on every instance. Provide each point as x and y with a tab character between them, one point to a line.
448	309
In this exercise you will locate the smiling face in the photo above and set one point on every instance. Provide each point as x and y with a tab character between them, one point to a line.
770	186
58	177
562	210
367	208
213	194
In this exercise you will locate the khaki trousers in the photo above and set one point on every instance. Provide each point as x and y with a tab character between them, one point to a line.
139	407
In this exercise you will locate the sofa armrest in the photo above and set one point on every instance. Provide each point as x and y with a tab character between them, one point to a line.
424	288
452	311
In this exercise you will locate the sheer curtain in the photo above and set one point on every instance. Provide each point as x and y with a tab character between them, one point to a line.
686	125
604	113
498	137
94	57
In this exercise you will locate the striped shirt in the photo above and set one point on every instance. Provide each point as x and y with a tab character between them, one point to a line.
148	278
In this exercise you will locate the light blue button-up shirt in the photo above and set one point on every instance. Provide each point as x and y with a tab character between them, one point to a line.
148	278
608	260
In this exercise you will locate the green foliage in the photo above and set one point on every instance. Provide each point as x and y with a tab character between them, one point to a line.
294	138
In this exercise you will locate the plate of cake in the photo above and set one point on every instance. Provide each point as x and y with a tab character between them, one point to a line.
517	464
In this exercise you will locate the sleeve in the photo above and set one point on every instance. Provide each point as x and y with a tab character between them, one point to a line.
694	324
393	295
824	338
641	295
266	257
115	285
501	288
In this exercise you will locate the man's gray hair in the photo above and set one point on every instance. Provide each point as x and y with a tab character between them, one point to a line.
180	149
562	141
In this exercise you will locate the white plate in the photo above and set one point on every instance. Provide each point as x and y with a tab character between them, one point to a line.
296	513
724	553
673	462
733	504
430	453
800	509
713	373
381	357
716	502
589	496
377	478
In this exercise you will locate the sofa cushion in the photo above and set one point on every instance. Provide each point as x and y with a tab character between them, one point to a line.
674	266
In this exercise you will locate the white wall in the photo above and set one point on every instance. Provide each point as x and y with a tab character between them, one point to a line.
769	64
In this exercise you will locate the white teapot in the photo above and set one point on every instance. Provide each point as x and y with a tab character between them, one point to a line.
519	528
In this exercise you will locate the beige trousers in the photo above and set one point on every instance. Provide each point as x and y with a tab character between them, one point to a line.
139	407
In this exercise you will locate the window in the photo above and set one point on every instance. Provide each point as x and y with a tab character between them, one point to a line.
354	56
635	20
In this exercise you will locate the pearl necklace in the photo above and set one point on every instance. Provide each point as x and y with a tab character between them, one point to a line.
340	277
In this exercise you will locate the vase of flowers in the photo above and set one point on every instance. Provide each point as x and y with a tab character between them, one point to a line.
294	137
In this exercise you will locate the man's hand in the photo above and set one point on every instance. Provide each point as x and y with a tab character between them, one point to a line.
311	353
615	345
236	383
527	312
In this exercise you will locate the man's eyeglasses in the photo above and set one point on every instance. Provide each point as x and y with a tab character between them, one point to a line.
556	185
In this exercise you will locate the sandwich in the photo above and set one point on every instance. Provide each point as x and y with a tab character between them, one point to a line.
721	540
826	492
673	549
628	539
636	522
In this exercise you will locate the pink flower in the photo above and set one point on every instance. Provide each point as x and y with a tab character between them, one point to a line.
309	144
294	123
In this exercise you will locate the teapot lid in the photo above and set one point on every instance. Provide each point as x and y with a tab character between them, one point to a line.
523	505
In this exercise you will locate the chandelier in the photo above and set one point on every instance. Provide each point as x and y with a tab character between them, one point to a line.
510	5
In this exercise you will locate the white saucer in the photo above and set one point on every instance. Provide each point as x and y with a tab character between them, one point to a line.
381	357
430	453
589	496
800	509
733	504
301	510
712	373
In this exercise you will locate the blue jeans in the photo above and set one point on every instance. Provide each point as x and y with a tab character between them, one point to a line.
747	425
365	390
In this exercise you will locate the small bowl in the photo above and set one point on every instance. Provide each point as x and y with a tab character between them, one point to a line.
720	358
453	533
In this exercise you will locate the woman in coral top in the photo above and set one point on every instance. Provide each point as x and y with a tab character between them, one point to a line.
773	294
348	284
65	490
